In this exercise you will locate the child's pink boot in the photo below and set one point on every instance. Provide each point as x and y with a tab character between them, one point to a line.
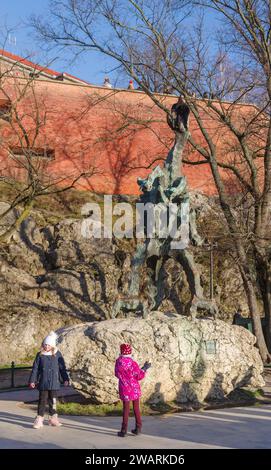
38	423
53	421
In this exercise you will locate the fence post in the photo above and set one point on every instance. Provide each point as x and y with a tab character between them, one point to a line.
12	374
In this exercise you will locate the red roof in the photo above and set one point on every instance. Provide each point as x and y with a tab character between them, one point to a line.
46	70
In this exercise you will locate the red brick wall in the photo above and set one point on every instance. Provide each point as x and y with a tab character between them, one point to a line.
114	135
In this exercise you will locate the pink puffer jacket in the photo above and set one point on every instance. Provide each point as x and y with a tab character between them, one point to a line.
129	374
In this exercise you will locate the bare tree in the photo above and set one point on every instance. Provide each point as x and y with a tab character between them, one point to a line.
161	46
125	124
25	154
249	36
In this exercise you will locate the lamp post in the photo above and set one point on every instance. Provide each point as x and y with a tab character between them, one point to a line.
210	246
211	270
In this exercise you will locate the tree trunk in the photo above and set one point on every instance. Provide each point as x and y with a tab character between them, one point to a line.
267	309
252	302
264	280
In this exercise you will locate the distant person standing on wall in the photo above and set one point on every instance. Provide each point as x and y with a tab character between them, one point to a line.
107	83
129	373
47	369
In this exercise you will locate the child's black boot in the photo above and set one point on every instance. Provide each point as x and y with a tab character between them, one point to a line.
136	431
122	433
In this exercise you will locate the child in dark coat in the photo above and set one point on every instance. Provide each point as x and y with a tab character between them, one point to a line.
129	373
48	367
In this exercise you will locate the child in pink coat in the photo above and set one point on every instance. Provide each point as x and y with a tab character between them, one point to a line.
129	373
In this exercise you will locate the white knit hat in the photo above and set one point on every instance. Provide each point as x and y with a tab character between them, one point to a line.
51	339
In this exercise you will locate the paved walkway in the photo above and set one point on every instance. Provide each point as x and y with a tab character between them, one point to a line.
246	427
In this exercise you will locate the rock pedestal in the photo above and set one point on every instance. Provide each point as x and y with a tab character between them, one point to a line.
192	360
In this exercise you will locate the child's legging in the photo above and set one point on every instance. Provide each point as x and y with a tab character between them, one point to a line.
44	396
125	415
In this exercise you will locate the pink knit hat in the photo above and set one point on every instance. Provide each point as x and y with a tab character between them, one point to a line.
125	349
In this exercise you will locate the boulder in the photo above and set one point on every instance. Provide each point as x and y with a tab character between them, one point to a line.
81	292
7	216
26	246
85	271
192	360
72	244
25	315
16	285
49	278
23	329
58	276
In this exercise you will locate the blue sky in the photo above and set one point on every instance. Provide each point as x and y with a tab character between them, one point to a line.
14	14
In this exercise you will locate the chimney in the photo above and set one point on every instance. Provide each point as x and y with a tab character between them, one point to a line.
131	85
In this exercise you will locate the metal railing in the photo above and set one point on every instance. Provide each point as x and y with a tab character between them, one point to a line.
8	376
